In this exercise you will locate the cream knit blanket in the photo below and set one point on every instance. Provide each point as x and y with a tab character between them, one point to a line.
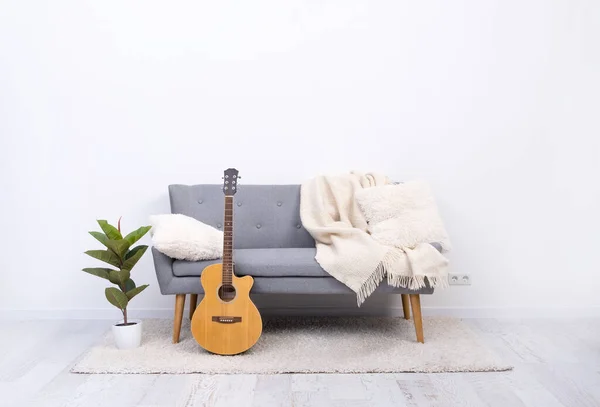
347	251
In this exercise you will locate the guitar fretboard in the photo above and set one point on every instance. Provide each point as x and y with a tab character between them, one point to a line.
228	242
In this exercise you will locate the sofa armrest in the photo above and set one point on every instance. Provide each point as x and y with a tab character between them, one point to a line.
163	266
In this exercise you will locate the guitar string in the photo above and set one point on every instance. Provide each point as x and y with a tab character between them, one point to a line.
227	276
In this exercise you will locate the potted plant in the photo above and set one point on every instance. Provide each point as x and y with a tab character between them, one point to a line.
120	255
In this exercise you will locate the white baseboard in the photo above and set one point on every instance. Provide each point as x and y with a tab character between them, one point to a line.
514	312
457	312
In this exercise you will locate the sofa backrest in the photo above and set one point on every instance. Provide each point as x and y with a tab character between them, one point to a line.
265	216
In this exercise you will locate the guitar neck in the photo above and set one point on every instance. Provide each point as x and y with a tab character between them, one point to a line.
228	241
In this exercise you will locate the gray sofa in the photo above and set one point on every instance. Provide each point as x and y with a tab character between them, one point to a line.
270	245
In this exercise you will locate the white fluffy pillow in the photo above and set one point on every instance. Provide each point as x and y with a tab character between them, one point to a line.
185	238
402	215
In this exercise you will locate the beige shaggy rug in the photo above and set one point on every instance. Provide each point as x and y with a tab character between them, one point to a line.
306	345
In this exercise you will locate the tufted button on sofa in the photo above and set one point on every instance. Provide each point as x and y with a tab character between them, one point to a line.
270	244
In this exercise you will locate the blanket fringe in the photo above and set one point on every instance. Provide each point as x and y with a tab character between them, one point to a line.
371	284
389	262
417	282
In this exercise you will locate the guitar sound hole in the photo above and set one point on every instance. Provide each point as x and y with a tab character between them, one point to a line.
227	293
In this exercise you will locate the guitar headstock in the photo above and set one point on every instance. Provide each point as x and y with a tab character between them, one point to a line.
230	181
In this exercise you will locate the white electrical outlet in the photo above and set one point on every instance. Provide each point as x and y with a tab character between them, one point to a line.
459	279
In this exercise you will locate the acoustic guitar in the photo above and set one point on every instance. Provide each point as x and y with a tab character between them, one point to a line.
226	322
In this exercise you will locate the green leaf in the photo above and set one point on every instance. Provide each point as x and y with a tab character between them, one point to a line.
113	277
119	247
99	272
111	232
101	237
116	297
132	293
124	277
119	277
134	251
132	257
106	256
137	234
129	285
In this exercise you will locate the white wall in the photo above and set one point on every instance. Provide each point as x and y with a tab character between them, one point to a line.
104	103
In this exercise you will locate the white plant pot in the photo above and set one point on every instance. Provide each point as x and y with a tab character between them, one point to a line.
128	337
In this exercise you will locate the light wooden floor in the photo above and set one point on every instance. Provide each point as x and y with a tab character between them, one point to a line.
557	363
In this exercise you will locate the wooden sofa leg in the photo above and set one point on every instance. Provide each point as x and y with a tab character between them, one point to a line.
415	302
193	304
406	306
179	304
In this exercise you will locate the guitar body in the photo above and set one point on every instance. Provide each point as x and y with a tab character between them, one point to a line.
211	326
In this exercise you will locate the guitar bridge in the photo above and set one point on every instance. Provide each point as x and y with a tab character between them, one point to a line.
227	320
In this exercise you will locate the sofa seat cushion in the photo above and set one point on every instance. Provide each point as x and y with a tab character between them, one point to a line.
289	262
